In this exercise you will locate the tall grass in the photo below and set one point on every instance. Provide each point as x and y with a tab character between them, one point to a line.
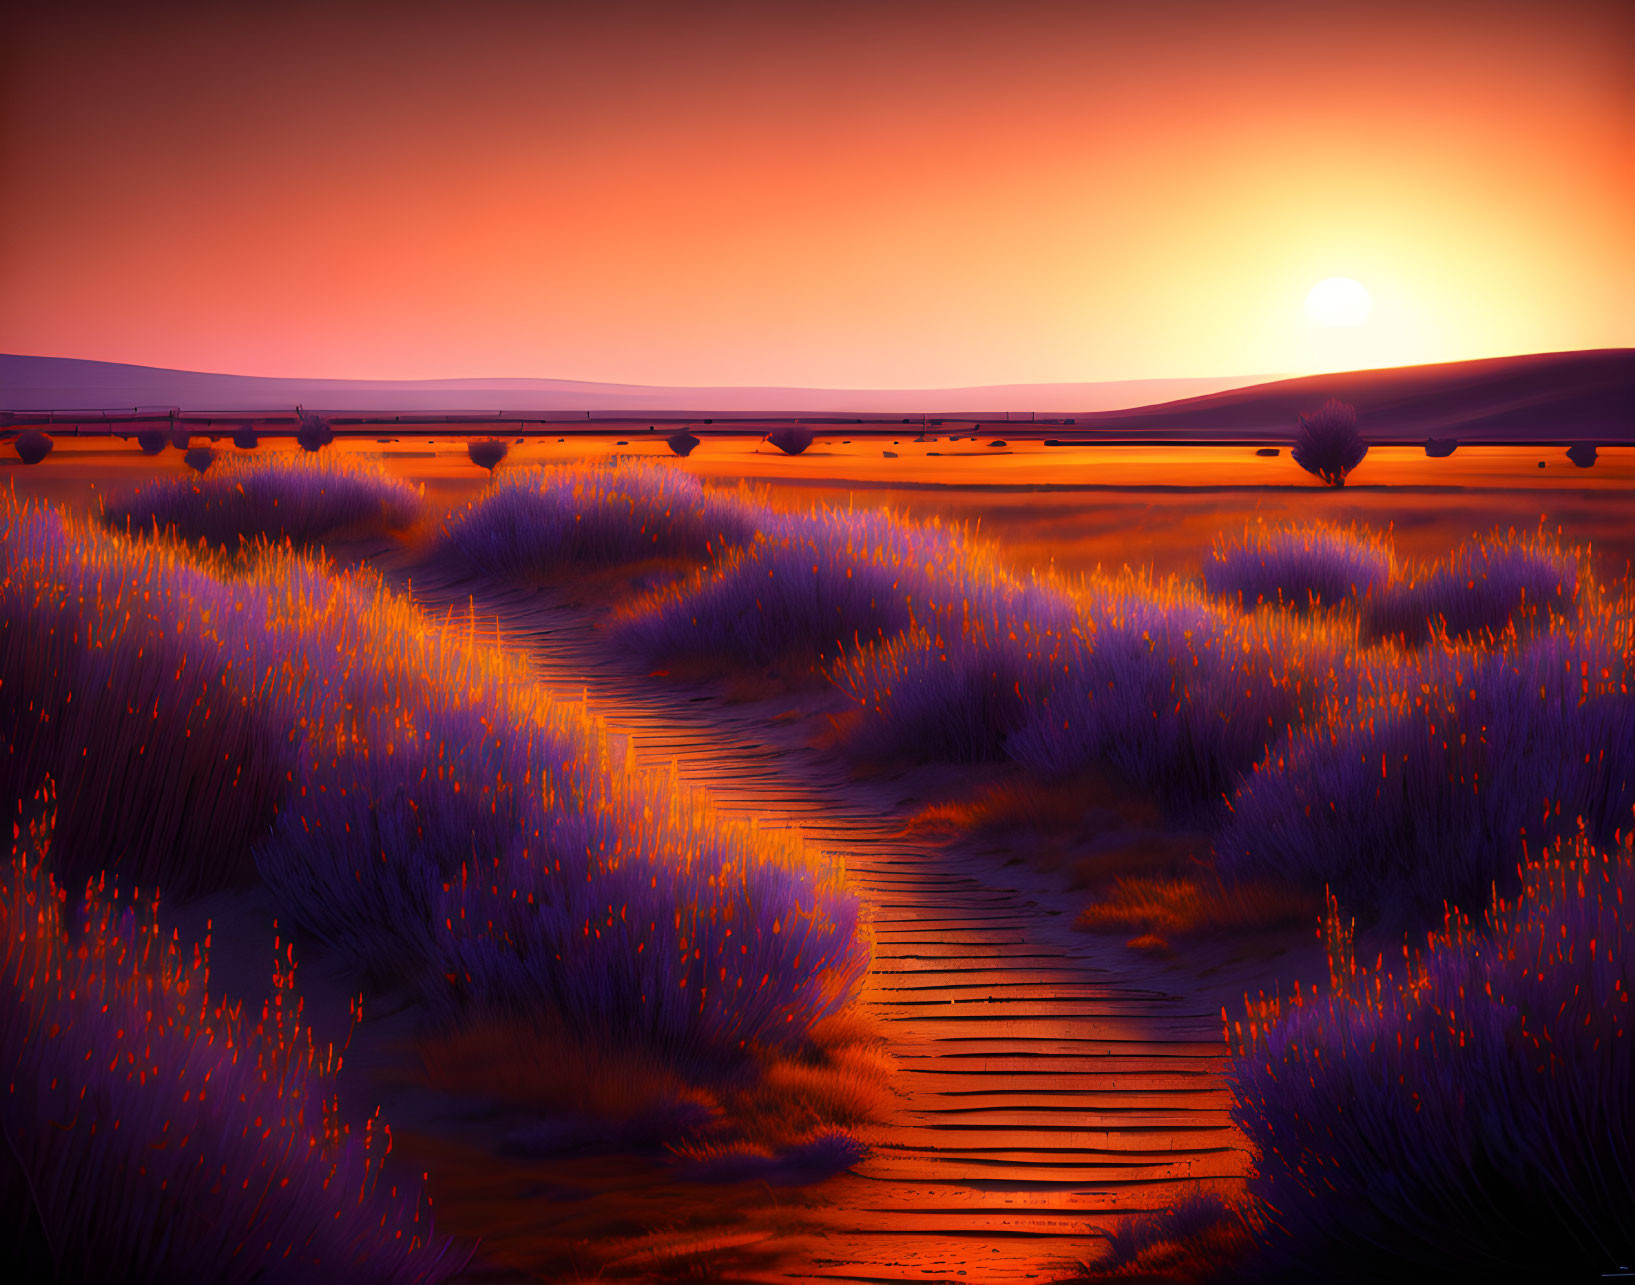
157	1133
533	522
280	496
408	794
1468	1115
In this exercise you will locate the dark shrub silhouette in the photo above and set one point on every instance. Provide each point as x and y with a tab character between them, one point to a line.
683	443
1328	444
487	452
791	441
1439	448
244	437
152	440
1582	454
181	439
199	458
314	432
1268	452
32	446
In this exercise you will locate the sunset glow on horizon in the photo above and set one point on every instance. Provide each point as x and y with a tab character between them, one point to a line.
838	195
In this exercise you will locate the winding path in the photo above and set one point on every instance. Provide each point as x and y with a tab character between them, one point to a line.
1043	1089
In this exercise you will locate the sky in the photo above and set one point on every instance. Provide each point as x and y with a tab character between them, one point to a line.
882	194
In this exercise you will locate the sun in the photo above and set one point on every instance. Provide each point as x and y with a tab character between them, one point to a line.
1339	301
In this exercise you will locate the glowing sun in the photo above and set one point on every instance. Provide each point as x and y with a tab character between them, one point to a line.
1339	301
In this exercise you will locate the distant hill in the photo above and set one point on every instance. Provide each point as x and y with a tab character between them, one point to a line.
1565	396
70	384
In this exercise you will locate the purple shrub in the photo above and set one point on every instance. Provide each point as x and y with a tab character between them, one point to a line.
791	441
276	496
31	445
1180	695
472	836
199	458
1312	565
1484	587
117	681
1439	448
244	437
534	522
808	586
958	690
152	440
1471	1116
1583	454
1426	792
487	452
156	1134
1327	443
683	443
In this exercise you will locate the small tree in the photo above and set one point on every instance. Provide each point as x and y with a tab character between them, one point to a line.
487	452
244	436
791	441
682	443
1328	443
314	432
32	446
152	440
199	458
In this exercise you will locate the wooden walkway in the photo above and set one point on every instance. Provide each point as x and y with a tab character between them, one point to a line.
1044	1088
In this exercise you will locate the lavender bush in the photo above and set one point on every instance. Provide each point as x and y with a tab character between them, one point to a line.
1426	792
1179	694
1484	587
302	498
118	680
155	1133
533	522
1312	565
1469	1116
808	586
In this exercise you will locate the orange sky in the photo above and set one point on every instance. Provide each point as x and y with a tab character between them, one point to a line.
855	195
